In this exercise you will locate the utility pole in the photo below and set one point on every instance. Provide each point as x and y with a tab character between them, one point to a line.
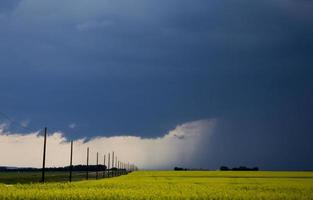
71	161
112	163
116	166
44	157
97	166
104	166
123	167
119	167
109	159
117	170
87	167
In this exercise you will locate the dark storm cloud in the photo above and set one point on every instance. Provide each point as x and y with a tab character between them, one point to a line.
143	67
8	5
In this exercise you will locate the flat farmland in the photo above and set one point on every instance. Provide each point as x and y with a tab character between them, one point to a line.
172	185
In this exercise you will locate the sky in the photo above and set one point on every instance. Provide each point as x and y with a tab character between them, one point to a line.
177	147
97	70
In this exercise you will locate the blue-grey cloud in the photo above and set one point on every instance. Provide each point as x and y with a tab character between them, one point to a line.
146	66
8	5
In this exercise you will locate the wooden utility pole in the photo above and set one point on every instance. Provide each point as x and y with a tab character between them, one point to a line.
104	165
71	161
113	159
87	168
116	172
123	168
113	163
119	167
44	157
97	165
109	159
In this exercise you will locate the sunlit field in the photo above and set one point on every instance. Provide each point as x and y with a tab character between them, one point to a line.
173	185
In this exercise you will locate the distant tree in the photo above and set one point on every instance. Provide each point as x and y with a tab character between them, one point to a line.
178	169
224	168
240	168
244	168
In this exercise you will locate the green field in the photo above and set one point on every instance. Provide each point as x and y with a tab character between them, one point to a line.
10	178
174	185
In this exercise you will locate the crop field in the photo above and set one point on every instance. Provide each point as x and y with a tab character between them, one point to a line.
173	185
10	178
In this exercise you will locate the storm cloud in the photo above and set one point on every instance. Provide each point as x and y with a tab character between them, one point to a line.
145	66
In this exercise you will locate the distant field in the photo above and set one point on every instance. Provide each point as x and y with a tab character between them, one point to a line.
173	185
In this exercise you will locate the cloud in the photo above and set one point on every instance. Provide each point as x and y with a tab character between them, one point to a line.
3	127
72	125
181	146
165	62
8	5
302	9
25	123
91	25
121	35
